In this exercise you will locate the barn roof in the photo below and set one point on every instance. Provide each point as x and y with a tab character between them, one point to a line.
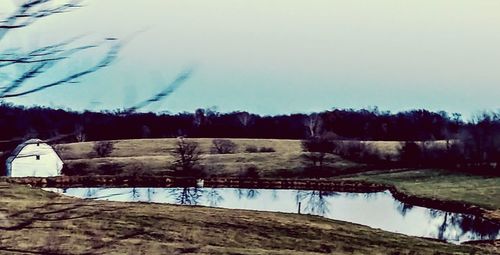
20	147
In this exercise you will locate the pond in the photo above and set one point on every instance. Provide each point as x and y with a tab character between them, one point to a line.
376	210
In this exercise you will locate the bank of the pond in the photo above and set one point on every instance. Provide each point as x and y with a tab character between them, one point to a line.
260	183
377	210
35	221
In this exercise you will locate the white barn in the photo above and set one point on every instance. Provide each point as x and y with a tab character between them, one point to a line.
34	158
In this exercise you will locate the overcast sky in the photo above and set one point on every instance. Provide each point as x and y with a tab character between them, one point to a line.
281	56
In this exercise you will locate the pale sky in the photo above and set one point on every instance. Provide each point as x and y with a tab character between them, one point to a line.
281	56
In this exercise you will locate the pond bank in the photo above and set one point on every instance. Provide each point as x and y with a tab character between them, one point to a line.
44	222
261	183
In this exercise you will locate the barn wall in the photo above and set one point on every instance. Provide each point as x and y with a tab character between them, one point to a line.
27	164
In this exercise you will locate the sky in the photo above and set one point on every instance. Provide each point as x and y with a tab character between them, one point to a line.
278	56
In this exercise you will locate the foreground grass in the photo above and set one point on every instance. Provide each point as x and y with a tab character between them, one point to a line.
38	222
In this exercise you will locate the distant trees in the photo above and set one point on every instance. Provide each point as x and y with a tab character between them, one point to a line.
338	124
468	145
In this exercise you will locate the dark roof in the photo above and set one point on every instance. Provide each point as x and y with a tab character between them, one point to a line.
20	147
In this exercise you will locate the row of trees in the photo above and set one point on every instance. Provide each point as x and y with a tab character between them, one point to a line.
474	147
416	125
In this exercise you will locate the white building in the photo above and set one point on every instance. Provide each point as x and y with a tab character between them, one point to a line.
34	158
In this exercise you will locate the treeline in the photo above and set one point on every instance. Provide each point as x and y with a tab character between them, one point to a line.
473	147
472	144
45	123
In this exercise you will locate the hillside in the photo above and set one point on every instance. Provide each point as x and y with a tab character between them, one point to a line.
39	222
153	156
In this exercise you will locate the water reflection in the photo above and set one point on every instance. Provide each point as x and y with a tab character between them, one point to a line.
186	196
463	226
247	193
314	201
403	208
377	210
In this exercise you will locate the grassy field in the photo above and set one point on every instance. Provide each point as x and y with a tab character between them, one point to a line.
443	185
33	221
153	156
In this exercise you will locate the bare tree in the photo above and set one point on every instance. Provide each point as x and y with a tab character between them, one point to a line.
199	117
80	135
187	157
317	150
314	123
245	118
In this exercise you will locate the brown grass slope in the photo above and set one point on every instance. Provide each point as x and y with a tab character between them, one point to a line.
33	221
153	156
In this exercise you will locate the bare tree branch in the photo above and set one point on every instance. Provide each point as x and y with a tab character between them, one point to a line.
174	85
109	57
42	60
33	10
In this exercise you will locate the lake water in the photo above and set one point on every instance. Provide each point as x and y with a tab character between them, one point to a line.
376	210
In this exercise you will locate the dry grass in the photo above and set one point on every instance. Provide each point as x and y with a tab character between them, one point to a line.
443	185
159	147
153	156
34	221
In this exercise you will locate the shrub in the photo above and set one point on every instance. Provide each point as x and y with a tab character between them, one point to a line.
223	146
79	168
411	154
251	149
110	169
360	152
267	149
103	148
316	149
251	172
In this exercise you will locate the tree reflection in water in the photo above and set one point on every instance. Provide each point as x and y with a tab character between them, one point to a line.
213	197
90	193
314	202
150	192
247	193
135	194
186	195
194	196
403	208
459	225
433	223
274	194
